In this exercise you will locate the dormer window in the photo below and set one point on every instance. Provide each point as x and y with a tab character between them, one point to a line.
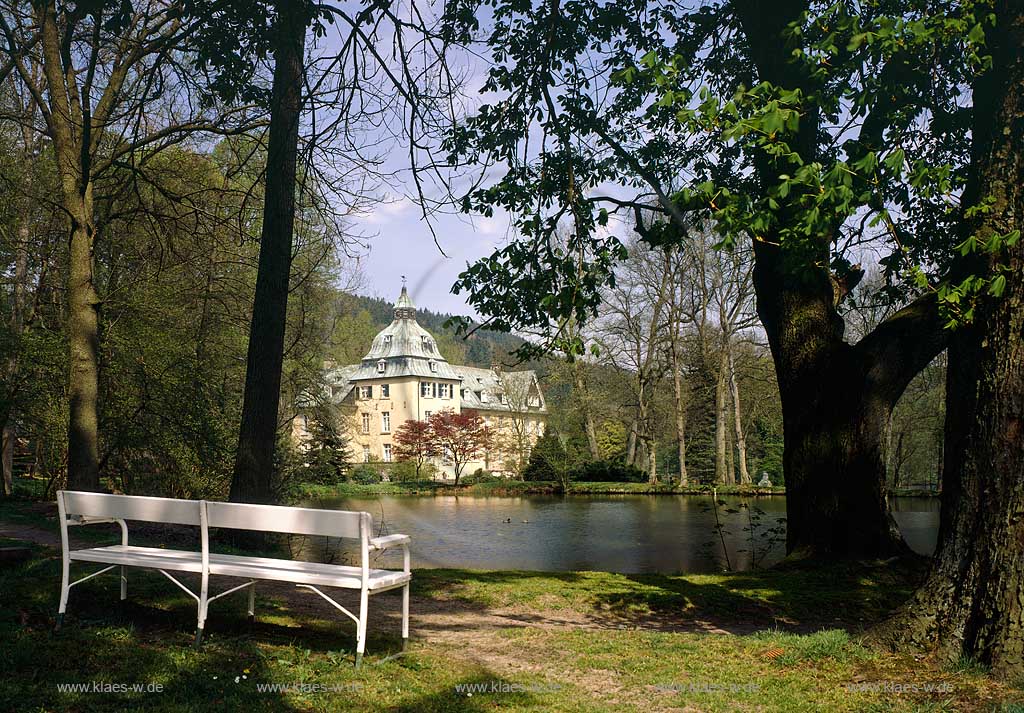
428	345
501	398
387	340
381	366
483	397
433	366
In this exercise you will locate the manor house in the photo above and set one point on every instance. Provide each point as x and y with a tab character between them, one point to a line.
404	376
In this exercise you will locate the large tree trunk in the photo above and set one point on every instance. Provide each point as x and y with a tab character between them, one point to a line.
254	461
836	401
741	439
836	397
972	602
71	130
83	343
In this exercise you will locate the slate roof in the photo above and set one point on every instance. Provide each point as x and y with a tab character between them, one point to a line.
407	349
517	386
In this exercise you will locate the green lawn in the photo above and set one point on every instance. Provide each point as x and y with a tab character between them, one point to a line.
575	641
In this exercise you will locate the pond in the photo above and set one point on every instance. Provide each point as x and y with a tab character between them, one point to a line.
625	533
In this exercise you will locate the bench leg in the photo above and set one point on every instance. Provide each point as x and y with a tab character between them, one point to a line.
364	600
252	602
405	615
65	590
203	591
124	583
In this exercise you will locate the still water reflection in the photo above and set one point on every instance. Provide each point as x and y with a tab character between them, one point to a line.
625	533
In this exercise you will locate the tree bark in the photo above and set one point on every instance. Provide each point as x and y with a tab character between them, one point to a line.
83	343
721	416
588	414
836	397
680	408
741	439
652	461
972	602
631	444
254	461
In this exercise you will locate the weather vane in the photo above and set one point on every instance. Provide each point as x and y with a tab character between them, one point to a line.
403	280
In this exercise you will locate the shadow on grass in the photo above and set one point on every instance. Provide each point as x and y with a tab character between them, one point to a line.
850	595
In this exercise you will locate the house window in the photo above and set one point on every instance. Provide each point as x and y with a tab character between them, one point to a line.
433	366
381	366
387	452
483	397
387	340
426	414
425	389
501	398
366	392
385	422
366	423
366	454
428	345
462	393
385	391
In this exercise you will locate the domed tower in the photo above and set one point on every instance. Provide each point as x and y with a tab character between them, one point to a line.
403	376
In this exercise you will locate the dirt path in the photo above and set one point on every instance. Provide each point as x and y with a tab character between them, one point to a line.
29	533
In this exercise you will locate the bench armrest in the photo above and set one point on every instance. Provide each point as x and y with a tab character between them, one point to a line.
382	543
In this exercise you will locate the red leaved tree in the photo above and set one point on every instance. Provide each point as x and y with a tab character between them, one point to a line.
414	441
462	437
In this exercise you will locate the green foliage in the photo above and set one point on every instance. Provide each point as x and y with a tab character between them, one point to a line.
604	471
861	134
326	455
404	472
548	460
611	440
364	474
479	476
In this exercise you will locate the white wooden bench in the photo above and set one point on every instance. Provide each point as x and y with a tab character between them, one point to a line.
83	508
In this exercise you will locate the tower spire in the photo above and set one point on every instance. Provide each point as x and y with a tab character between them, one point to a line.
404	308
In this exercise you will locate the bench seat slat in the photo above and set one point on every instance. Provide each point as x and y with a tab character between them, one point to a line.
297	571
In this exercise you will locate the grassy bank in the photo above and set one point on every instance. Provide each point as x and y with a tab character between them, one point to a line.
518	487
575	641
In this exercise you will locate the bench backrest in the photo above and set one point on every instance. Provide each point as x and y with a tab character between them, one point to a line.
131	507
296	521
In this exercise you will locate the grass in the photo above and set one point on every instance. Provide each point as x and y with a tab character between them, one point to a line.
574	641
777	640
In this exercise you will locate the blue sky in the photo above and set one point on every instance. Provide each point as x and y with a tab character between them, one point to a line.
400	243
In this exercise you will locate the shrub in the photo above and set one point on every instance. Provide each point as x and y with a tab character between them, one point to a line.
364	474
603	471
539	469
548	461
403	471
479	476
